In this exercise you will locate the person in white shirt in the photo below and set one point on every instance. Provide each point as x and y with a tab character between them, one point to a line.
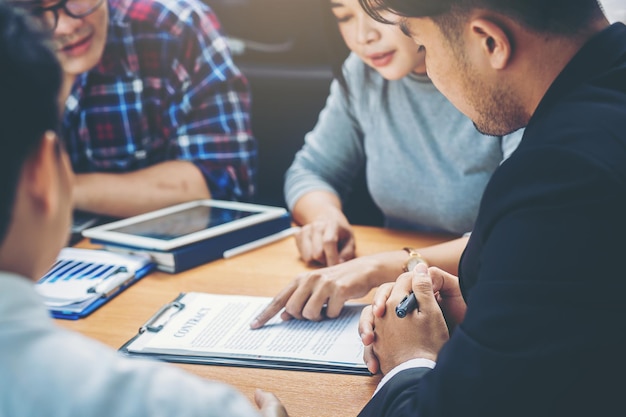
46	370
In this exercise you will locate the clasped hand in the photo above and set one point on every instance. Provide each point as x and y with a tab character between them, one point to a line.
389	340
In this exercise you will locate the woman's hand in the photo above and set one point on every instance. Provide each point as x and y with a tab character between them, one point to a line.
321	293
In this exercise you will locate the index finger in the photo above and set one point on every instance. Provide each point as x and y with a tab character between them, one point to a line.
274	306
381	297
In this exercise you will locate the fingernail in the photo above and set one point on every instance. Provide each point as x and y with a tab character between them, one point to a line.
421	269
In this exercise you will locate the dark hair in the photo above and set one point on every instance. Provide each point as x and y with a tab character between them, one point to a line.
564	17
30	78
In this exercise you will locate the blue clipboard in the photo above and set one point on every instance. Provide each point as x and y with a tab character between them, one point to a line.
82	280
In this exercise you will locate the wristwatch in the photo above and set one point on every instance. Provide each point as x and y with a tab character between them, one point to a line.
414	259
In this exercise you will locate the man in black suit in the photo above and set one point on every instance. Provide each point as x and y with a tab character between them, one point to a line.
538	323
535	325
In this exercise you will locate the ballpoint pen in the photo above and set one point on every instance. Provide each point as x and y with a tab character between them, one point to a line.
113	282
408	304
260	242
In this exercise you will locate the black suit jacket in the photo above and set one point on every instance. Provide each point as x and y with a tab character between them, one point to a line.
543	274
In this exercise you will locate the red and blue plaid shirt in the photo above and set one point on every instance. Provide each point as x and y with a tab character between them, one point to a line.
166	88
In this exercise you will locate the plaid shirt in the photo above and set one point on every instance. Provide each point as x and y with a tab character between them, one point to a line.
166	88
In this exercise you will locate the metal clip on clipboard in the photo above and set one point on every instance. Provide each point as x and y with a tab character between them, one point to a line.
161	317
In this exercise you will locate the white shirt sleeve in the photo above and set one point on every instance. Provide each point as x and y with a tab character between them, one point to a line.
413	363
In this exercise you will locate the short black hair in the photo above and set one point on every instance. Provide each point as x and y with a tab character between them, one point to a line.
30	79
564	17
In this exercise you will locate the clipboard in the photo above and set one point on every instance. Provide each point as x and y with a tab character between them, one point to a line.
212	329
82	280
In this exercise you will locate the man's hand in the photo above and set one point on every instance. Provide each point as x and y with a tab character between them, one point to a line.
389	340
448	295
269	404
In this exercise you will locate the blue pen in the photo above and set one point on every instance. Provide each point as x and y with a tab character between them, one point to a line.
408	304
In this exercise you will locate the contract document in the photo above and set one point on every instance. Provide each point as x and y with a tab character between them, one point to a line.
215	329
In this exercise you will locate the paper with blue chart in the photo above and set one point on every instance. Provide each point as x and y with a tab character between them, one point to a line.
83	279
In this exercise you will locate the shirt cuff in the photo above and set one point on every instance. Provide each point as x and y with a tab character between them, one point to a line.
413	363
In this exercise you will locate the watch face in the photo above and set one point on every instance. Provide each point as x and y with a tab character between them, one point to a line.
413	261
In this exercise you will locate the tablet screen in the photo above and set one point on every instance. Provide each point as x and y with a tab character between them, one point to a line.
184	222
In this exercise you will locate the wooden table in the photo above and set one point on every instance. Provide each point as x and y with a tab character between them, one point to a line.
262	272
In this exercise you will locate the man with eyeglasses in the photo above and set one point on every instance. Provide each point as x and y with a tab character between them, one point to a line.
154	110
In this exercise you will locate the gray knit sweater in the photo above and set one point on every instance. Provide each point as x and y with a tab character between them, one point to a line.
426	165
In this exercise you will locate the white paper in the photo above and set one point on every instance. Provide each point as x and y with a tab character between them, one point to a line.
73	291
218	326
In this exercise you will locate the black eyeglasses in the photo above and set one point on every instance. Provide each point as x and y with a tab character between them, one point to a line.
73	8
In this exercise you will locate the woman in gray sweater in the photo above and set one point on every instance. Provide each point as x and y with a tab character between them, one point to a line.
424	166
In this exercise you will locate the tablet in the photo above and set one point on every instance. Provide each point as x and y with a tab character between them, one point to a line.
183	224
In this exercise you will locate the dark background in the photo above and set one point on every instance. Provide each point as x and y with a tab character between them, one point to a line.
290	48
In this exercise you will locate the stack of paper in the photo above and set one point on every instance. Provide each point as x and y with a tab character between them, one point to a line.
83	279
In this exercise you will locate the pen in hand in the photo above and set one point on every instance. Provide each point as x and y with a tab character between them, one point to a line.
408	304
